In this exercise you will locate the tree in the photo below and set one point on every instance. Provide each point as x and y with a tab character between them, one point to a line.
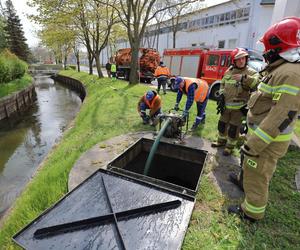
14	33
3	43
176	12
90	20
135	15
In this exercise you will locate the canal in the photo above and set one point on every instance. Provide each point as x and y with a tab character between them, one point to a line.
26	140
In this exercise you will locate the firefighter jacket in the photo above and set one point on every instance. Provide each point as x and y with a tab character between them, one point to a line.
195	89
237	93
273	108
162	71
154	105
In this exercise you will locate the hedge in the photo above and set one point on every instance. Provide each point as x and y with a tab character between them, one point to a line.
11	67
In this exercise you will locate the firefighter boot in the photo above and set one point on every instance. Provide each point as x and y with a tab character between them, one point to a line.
237	179
219	143
236	209
227	151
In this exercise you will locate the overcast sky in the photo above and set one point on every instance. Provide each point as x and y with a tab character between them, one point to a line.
30	28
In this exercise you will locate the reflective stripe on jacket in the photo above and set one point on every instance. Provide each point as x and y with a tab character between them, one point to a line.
238	93
274	107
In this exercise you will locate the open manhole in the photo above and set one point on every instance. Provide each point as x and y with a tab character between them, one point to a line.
178	167
120	208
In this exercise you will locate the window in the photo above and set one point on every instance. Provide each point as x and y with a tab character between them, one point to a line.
227	16
223	60
194	44
239	13
221	44
211	19
222	17
246	12
228	61
232	15
213	60
232	43
217	18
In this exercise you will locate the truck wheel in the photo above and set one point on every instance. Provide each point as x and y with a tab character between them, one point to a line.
214	92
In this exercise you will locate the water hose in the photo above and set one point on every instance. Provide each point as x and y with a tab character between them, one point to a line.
155	145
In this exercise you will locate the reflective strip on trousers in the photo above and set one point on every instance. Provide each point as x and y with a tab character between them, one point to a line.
267	138
234	105
253	209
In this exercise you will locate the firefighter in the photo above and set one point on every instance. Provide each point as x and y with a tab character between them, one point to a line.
273	111
150	100
194	89
235	89
162	74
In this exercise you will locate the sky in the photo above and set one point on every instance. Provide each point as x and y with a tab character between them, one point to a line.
30	28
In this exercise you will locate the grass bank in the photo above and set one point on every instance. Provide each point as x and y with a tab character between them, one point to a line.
15	85
110	110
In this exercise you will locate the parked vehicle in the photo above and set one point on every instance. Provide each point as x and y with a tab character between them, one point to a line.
148	61
209	65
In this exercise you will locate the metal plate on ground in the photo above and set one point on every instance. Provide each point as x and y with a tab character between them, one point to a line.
111	211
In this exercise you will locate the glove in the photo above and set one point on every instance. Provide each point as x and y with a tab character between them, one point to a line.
244	128
244	110
221	104
176	107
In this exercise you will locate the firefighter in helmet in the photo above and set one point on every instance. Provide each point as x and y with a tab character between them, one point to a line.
194	89
273	110
152	101
235	90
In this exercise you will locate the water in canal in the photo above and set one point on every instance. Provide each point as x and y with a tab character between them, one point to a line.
25	141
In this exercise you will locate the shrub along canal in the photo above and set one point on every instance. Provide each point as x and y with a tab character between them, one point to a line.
26	140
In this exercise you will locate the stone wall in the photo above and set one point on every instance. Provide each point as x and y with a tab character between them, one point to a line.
17	102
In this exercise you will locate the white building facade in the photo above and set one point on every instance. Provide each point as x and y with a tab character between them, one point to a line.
233	23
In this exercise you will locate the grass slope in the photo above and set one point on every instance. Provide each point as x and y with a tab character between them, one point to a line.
15	85
110	110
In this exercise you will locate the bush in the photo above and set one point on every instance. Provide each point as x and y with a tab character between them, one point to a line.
11	67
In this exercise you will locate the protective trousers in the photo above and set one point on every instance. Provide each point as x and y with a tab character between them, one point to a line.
258	172
200	118
229	127
161	81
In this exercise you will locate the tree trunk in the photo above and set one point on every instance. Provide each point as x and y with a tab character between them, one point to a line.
174	39
98	65
78	62
91	59
134	77
65	61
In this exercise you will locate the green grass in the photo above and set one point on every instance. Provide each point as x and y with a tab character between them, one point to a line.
15	85
110	110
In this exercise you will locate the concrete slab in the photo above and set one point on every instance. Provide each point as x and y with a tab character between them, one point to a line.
295	142
99	156
217	166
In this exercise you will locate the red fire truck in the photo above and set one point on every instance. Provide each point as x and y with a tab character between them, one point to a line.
209	65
